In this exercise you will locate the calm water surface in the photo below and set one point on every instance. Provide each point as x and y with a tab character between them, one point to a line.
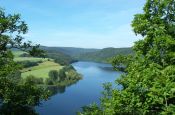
84	92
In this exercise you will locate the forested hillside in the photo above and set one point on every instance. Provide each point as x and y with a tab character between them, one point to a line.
69	50
103	55
66	55
60	57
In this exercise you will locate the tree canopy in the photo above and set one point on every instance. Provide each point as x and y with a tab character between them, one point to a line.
148	86
12	90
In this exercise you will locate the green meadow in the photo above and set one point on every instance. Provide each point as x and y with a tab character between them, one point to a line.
42	70
39	71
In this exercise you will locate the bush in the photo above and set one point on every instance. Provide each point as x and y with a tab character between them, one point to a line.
62	74
15	76
34	80
27	64
69	67
40	61
49	81
53	75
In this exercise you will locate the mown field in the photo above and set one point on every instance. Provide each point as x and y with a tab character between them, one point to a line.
39	71
42	70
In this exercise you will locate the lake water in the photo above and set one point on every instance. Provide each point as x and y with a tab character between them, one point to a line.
84	92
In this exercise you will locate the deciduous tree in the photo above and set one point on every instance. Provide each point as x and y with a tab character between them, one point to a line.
148	86
12	91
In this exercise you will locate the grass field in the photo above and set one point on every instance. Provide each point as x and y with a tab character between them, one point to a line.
42	67
17	53
42	70
33	59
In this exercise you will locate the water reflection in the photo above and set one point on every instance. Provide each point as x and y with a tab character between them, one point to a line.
55	89
107	68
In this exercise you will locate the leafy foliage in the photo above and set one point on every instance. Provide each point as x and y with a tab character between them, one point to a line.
53	75
27	64
121	62
33	80
149	82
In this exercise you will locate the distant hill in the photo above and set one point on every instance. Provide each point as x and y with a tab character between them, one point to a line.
67	55
59	55
103	55
83	54
71	51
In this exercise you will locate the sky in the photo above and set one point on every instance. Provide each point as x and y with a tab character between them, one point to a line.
78	23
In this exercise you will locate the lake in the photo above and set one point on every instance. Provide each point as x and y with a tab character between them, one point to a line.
69	100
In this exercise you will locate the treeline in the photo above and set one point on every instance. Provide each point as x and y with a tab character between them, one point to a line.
27	64
60	58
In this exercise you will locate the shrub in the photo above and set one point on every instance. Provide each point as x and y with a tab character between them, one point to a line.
62	75
69	67
53	75
49	81
34	80
27	64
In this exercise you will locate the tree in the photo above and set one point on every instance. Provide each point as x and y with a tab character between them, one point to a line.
148	86
53	75
12	91
62	74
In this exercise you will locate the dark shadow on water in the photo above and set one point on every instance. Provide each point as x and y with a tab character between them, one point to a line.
107	68
59	89
55	89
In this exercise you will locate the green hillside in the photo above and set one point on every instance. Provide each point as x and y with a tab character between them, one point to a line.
103	55
71	51
68	55
59	56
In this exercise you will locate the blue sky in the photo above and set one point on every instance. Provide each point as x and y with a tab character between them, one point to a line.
78	23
